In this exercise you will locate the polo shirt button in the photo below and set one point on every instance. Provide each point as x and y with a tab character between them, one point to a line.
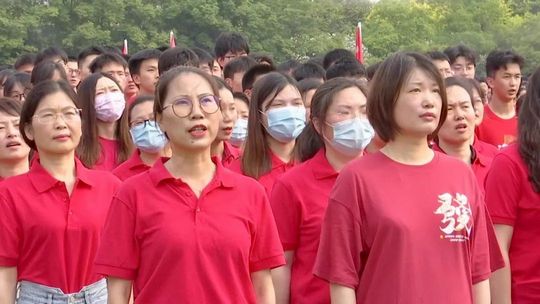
198	210
71	213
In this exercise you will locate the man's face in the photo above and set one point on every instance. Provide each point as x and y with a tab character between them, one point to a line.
148	76
505	83
117	72
73	73
463	67
229	56
84	68
444	68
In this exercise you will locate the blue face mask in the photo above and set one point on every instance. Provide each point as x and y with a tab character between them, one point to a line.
148	137
239	132
286	123
351	136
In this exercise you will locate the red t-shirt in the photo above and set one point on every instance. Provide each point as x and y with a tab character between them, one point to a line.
299	200
484	148
267	180
512	201
109	155
495	130
399	233
51	237
175	246
133	166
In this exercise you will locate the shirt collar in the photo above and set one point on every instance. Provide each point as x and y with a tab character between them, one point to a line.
321	167
222	178
43	180
277	162
476	157
230	153
135	160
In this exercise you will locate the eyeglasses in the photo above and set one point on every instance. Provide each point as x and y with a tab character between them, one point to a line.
232	56
183	107
68	115
73	71
143	123
18	96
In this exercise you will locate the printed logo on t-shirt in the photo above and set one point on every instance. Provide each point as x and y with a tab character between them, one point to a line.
456	223
508	139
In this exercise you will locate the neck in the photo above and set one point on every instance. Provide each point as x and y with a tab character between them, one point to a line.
460	150
8	169
338	160
142	92
218	146
503	108
149	158
190	164
410	151
282	150
59	166
106	129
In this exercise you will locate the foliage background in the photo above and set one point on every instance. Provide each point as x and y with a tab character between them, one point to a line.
287	29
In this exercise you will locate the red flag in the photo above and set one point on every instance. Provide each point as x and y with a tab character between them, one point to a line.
125	48
359	46
172	40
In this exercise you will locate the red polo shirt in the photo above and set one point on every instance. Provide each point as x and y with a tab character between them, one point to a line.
495	130
51	237
299	200
133	166
174	245
267	180
511	201
484	148
401	233
230	154
109	155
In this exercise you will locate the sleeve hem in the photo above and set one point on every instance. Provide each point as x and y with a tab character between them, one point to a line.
8	262
502	220
334	280
289	246
113	271
268	263
479	278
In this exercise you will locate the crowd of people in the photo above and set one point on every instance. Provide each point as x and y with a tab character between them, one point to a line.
180	175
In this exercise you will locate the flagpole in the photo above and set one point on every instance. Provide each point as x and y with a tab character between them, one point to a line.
359	45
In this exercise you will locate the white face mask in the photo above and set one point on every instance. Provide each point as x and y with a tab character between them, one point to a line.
239	132
286	123
351	136
110	106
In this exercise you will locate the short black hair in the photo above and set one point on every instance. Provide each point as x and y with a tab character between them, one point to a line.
45	71
461	51
241	96
346	67
105	59
334	55
177	56
89	51
288	66
438	55
372	69
255	71
137	59
263	58
497	60
204	56
49	53
24	60
230	42
237	65
309	70
308	84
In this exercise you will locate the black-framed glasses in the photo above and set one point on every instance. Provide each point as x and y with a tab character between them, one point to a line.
143	123
182	107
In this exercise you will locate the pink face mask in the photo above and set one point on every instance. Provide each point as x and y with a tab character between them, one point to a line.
110	106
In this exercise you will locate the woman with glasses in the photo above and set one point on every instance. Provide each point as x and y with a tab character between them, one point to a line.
52	216
17	86
276	117
187	229
149	140
13	150
105	141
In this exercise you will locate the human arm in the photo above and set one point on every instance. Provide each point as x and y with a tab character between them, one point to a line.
8	284
340	294
119	290
262	285
281	277
500	282
481	292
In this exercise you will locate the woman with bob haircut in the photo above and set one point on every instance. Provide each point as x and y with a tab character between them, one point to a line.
48	70
188	229
276	117
105	142
406	224
513	200
13	150
53	216
337	133
17	86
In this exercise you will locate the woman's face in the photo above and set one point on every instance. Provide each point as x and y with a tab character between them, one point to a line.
142	112
458	128
418	107
307	102
56	125
347	104
106	85
288	97
478	107
199	128
12	146
228	113
18	93
242	109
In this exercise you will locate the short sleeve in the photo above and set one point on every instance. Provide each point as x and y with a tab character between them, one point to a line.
287	213
266	251
338	258
118	255
502	190
481	246
10	234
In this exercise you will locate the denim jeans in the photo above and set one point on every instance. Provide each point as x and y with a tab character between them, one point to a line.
32	293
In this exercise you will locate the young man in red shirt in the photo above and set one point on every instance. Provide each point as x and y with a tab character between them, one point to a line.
499	126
